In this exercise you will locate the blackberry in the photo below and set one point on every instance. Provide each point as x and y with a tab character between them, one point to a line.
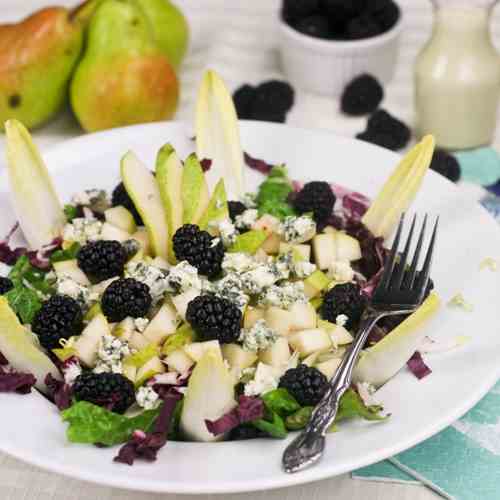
316	26
316	197
446	164
235	208
214	318
271	116
362	96
273	98
101	260
243	99
294	10
200	249
343	299
121	197
306	384
385	130
5	285
113	391
60	317
361	27
385	12
126	297
245	432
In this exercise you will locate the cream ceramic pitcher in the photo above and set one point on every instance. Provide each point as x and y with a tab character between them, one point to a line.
457	76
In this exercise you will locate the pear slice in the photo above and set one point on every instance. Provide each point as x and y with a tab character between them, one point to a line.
194	191
151	368
143	189
218	134
210	394
400	189
196	350
34	197
87	344
17	345
169	178
217	206
381	362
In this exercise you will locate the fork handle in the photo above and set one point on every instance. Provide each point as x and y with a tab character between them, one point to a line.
326	411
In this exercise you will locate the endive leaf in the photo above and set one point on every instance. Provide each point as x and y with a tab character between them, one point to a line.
38	209
400	189
381	362
218	134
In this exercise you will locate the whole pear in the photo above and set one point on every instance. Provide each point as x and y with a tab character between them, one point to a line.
170	28
37	58
123	77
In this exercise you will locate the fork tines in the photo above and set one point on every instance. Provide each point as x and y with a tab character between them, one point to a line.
399	283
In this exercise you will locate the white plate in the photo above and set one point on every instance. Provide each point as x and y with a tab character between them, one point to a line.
33	432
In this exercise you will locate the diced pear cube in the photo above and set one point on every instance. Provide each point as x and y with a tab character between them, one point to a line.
316	283
182	301
153	367
110	232
121	218
197	350
279	320
87	345
304	316
138	341
162	325
338	334
272	245
324	250
252	315
70	268
328	368
308	341
179	361
302	250
237	357
347	248
278	354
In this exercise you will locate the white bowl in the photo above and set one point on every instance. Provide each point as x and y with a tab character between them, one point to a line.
32	429
327	66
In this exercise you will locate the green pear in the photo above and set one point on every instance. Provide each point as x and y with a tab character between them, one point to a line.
142	187
17	345
38	209
123	78
249	242
195	195
217	207
210	394
170	28
37	57
169	173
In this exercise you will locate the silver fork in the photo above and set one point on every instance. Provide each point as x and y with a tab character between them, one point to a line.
399	291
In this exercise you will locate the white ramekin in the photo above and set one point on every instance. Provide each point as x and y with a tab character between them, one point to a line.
327	66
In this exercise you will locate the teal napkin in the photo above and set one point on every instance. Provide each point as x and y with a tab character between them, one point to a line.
463	460
480	166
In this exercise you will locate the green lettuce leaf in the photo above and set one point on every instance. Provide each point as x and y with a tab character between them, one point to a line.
281	402
352	406
68	254
273	194
71	212
24	302
299	419
93	424
273	425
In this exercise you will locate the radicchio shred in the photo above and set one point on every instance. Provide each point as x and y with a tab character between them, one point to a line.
248	410
38	258
256	164
206	164
59	391
12	381
147	445
417	366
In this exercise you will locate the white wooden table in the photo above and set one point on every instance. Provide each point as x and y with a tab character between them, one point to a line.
236	38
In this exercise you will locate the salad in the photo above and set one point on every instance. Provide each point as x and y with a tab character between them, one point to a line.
167	310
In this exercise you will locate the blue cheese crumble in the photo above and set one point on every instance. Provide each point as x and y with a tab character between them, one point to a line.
110	355
303	269
82	231
82	294
238	263
141	324
341	272
152	276
249	200
283	296
247	219
227	232
182	278
256	280
297	229
259	337
266	379
91	197
147	398
231	288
